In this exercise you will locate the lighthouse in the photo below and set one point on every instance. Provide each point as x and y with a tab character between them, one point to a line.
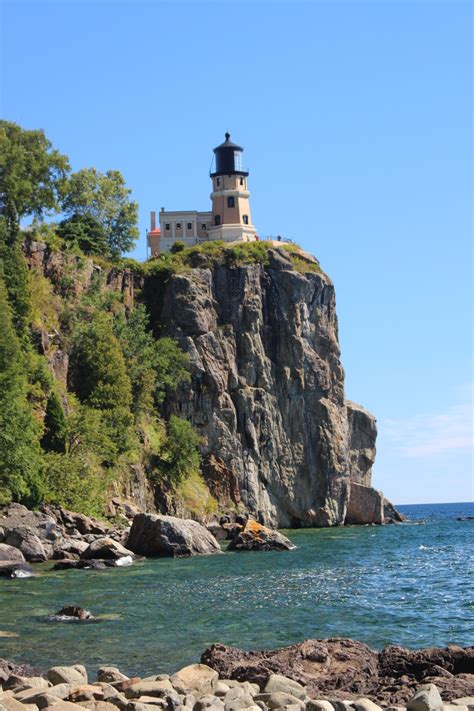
231	218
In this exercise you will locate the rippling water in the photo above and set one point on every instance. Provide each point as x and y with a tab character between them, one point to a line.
408	584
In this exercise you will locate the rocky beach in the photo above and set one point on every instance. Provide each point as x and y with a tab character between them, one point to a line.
317	675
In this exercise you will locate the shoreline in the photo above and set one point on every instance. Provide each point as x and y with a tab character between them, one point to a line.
334	674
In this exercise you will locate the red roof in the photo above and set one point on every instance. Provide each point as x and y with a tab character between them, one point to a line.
154	233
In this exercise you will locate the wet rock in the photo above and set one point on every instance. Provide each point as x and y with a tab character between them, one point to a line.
74	611
154	535
15	570
255	537
106	549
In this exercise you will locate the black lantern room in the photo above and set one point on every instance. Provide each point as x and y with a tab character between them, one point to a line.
229	159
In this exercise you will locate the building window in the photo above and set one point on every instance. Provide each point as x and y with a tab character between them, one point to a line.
241	181
230	202
167	226
217	220
178	225
218	181
190	225
246	219
203	226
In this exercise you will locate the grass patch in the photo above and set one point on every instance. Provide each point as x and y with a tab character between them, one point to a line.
195	497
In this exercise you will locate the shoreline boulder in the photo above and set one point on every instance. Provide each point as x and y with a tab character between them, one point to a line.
255	537
155	535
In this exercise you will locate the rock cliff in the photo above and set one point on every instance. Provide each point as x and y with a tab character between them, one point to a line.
267	390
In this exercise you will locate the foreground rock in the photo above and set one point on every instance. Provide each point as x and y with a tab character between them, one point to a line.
154	535
198	687
255	537
346	669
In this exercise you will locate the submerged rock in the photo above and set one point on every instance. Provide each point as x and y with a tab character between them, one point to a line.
255	537
74	612
106	548
154	535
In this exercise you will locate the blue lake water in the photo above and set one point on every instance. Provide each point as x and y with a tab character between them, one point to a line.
407	584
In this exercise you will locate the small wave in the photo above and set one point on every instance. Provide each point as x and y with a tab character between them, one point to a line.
421	547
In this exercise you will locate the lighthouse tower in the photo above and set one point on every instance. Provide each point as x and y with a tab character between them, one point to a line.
231	219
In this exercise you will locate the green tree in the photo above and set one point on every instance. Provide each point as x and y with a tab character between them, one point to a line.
20	454
100	375
171	365
55	428
32	173
85	231
76	482
154	366
180	454
14	270
106	198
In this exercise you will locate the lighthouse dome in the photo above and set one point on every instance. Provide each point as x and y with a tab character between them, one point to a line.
228	159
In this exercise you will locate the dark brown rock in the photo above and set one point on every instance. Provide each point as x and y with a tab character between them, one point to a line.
345	669
75	611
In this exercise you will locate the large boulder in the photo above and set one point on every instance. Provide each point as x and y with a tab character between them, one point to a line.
154	535
255	537
25	538
196	678
10	553
15	569
76	674
106	548
365	505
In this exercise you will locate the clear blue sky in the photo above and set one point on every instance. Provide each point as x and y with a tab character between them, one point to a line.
356	118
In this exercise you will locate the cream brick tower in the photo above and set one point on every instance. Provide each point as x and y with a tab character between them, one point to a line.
231	219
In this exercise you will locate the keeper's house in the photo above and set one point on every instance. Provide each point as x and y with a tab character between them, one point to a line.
229	219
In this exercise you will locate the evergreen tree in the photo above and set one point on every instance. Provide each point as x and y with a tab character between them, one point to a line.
85	231
20	454
100	375
54	437
180	452
14	270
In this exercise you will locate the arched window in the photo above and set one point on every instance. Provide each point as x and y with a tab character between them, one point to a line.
246	219
217	220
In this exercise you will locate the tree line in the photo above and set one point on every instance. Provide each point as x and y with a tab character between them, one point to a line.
68	444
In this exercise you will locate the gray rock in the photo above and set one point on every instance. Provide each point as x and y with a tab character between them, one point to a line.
15	570
465	701
365	505
106	549
272	414
277	699
196	678
149	688
276	682
76	674
154	535
209	701
365	705
426	698
239	701
25	538
110	674
319	705
255	537
221	688
10	553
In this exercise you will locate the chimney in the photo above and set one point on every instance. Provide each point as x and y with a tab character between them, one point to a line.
153	220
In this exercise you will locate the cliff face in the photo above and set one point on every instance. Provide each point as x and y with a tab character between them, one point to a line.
267	390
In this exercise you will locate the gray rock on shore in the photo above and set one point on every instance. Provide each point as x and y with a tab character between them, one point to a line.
154	535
